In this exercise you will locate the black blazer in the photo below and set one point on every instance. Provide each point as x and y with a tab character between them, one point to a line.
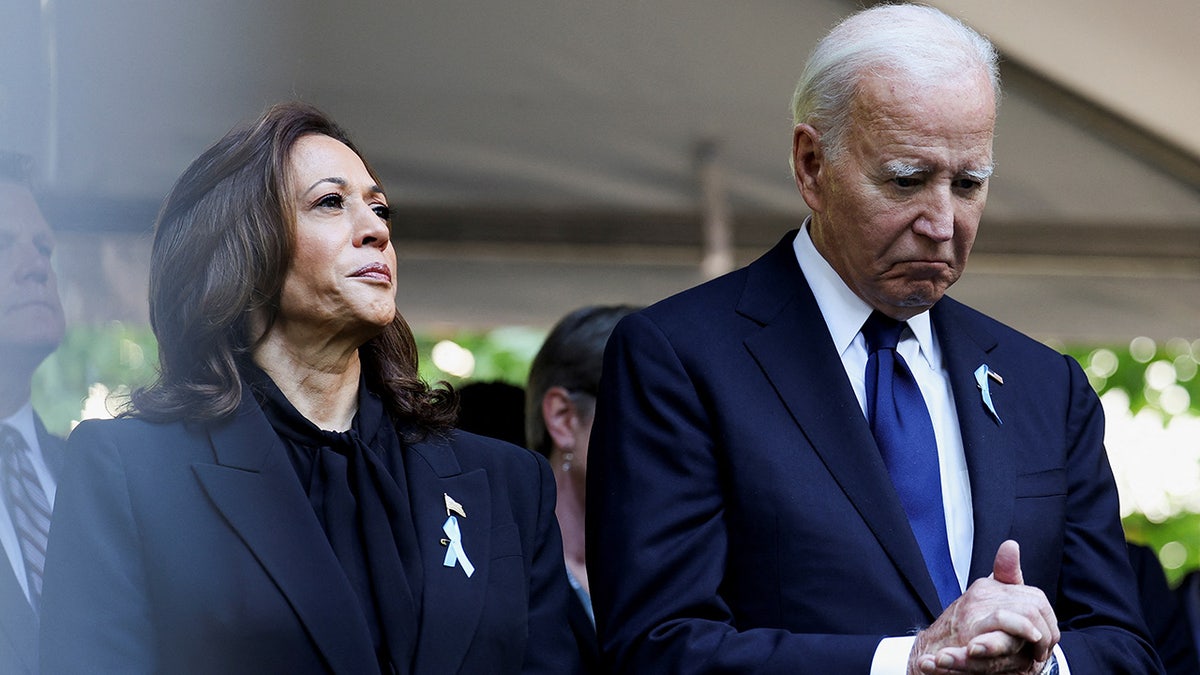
18	627
193	549
1165	614
740	518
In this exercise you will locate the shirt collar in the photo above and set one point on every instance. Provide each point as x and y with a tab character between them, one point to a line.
843	311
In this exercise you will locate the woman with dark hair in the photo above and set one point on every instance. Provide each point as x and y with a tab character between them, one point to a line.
560	407
289	496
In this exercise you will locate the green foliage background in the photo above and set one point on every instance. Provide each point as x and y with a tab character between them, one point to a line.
1127	368
116	355
122	356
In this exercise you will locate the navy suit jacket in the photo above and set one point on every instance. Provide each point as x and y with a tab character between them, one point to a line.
1165	614
194	549
18	626
740	518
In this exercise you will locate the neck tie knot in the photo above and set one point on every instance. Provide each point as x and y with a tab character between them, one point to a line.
10	439
882	332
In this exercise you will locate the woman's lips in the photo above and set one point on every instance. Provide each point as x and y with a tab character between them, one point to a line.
374	271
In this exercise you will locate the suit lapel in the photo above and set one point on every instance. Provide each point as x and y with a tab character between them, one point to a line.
794	350
452	603
254	487
986	443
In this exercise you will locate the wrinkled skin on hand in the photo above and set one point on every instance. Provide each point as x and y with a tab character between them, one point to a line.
999	625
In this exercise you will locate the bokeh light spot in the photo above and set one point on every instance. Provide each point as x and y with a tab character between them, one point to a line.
1173	555
452	358
1142	349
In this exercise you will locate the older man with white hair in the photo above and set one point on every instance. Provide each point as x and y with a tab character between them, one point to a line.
820	464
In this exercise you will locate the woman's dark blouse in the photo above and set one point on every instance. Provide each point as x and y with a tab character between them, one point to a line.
362	506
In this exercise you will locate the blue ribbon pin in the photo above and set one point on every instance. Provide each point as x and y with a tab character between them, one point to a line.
455	553
982	375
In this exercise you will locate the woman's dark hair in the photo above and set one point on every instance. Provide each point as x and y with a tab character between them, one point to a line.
571	358
222	246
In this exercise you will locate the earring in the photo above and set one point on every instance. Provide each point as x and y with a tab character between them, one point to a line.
567	457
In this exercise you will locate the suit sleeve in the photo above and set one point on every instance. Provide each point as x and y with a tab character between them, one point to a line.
95	617
551	648
657	543
1102	627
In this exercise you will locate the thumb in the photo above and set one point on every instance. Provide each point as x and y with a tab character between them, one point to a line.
1007	567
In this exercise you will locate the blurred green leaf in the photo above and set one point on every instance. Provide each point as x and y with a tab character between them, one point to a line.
116	355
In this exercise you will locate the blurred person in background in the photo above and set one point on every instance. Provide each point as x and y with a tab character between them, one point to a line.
31	327
1165	613
494	409
289	496
559	408
1188	595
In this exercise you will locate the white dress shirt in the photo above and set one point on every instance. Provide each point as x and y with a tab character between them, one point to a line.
844	314
22	421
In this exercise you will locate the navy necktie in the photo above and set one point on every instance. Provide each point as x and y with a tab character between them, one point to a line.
900	423
27	506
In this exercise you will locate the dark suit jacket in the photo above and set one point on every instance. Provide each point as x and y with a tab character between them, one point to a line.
1166	617
18	627
1188	595
194	549
740	518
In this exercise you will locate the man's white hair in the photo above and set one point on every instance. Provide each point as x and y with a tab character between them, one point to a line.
919	43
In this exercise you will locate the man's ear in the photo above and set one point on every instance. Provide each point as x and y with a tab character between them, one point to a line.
560	415
808	160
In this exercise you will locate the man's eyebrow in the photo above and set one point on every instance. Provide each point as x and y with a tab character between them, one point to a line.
898	168
980	174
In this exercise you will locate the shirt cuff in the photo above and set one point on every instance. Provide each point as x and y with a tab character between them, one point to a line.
1063	668
891	655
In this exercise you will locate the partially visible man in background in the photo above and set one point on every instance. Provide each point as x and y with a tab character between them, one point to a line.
31	327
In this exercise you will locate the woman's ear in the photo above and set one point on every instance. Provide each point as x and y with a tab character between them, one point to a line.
808	159
560	416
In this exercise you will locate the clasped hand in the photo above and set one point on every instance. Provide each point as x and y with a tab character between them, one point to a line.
999	625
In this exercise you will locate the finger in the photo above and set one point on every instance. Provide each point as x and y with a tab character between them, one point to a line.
1035	623
955	660
1051	620
1007	567
994	644
1052	633
1038	636
947	660
1029	627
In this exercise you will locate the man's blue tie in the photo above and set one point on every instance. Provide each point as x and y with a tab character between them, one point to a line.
900	422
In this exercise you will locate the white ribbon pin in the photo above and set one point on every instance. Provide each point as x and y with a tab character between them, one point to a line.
982	375
455	553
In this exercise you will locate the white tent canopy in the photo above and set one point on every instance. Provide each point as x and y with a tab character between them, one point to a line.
546	155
